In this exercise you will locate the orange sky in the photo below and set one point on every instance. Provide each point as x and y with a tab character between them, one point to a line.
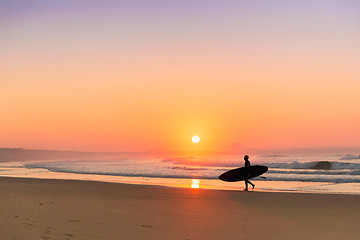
279	76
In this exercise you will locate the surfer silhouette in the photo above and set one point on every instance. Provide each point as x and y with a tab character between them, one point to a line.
247	164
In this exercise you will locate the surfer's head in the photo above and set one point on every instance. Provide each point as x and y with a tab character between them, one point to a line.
246	157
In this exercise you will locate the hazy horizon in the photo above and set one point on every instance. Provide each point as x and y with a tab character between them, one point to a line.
139	75
164	152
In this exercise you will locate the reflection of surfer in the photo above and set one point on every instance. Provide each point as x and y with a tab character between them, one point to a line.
247	164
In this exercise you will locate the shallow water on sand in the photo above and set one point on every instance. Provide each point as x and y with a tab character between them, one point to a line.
309	173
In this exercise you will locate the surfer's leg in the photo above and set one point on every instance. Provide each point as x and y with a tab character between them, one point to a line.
253	185
246	184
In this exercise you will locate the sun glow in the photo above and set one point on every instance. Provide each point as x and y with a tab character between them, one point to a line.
196	139
195	183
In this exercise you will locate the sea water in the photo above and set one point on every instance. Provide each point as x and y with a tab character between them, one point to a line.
298	173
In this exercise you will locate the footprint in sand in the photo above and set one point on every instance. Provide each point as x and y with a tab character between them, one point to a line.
147	226
72	220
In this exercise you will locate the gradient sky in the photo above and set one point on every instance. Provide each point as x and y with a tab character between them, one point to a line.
138	75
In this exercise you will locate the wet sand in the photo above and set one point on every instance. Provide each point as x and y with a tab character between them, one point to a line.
68	209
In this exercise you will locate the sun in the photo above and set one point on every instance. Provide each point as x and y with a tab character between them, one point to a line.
196	139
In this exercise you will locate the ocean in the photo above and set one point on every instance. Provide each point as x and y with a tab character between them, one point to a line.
296	173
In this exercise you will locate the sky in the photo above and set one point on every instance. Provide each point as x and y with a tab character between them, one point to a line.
149	74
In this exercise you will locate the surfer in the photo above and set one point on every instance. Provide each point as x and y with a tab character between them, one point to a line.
247	164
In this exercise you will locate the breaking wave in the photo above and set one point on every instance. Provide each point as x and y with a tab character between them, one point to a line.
320	165
349	157
335	171
223	163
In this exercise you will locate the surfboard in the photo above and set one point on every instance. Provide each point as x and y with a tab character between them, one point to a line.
240	174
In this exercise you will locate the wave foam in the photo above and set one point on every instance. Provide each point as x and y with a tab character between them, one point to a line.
321	165
349	157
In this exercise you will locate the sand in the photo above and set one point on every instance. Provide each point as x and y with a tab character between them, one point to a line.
67	209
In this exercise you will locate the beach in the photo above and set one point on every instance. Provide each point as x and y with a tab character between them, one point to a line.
71	209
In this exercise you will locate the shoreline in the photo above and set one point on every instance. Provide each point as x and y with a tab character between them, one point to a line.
76	209
212	184
277	180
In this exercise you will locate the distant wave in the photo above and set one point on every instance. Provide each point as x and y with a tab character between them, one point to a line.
349	157
317	165
321	165
189	168
314	172
273	156
207	163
